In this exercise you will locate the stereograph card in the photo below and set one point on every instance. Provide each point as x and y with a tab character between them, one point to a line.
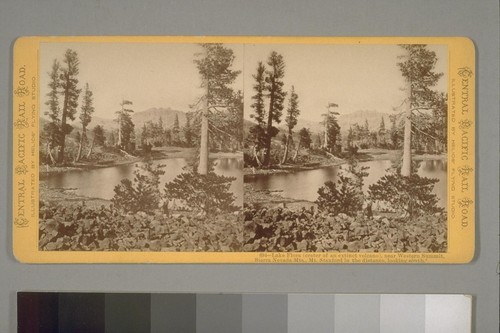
302	150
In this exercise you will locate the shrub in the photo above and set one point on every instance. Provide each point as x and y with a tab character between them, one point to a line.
411	195
340	197
141	194
207	193
346	195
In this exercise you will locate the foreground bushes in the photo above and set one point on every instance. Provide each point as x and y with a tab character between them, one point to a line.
209	193
283	230
79	228
409	195
142	193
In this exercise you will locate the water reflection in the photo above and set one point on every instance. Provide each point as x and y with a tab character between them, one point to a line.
100	183
303	185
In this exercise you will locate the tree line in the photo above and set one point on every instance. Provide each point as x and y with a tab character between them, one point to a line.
223	113
268	105
62	112
62	106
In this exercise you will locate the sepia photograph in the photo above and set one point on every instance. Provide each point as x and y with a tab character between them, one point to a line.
140	147
215	147
345	148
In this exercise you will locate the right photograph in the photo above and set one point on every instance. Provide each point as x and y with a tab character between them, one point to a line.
345	148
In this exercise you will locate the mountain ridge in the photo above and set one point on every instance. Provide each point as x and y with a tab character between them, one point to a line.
168	117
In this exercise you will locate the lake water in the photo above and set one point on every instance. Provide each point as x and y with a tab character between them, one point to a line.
303	185
100	183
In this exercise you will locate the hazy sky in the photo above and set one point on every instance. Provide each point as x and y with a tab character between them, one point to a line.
149	75
356	77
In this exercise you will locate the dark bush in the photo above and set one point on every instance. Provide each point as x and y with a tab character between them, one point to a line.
207	193
340	197
411	195
141	194
346	195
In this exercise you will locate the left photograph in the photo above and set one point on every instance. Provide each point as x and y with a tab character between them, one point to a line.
140	147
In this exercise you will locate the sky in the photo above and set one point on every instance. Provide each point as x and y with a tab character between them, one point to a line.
356	77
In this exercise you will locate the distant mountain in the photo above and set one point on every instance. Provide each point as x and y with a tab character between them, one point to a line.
103	122
77	126
154	114
373	117
313	126
168	116
140	118
345	121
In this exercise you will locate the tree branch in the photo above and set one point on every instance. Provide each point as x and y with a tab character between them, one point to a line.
218	129
427	134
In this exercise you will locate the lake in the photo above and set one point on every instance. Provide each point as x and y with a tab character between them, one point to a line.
100	183
303	185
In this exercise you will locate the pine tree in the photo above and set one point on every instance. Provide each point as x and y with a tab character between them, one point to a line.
236	119
274	88
305	140
99	136
112	137
215	69
292	113
145	135
176	129
52	130
350	137
332	129
85	118
168	137
258	131
382	133
125	126
417	69
328	121
440	121
70	93
188	131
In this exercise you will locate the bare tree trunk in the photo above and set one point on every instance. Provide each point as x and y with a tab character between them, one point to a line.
296	151
267	156
79	153
325	144
285	154
119	143
90	149
203	166
49	151
406	166
60	157
256	156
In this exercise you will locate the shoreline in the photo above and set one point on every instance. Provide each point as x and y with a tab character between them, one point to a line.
163	153
364	155
249	172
